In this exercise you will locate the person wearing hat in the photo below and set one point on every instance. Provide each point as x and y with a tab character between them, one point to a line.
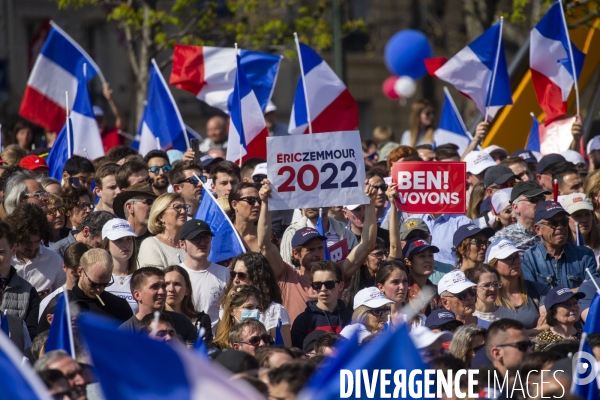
118	240
574	157
502	210
133	204
529	158
458	295
583	223
544	170
498	153
442	320
593	154
110	137
371	310
35	164
478	162
430	344
308	249
524	198
567	176
418	257
498	177
556	261
470	244
562	314
275	128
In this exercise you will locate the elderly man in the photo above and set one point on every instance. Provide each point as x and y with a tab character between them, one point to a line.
133	204
95	274
61	361
458	295
555	261
249	335
23	187
217	134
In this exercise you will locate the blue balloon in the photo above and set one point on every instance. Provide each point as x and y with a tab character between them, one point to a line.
405	51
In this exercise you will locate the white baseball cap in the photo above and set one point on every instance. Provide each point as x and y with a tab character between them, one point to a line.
454	282
349	331
501	200
593	144
424	337
116	229
261	169
573	156
98	112
500	249
371	297
352	207
478	161
492	148
270	107
575	202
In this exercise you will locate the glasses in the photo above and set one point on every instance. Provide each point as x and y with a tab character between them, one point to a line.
480	242
38	195
379	254
451	327
462	296
199	239
555	223
148	202
52	212
255	340
242	275
96	285
328	285
511	259
378	312
251	200
489	286
522	346
180	208
156	169
193	180
83	206
383	187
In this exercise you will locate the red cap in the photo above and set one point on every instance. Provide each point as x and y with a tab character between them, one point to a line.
33	162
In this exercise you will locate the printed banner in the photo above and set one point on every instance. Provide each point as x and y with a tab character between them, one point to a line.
339	251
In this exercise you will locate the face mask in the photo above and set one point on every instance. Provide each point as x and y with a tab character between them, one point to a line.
249	314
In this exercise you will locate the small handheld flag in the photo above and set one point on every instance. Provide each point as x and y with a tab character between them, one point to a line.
61	334
321	231
278	336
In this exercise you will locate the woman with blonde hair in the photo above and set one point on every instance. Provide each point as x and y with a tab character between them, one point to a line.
591	188
371	311
583	220
167	215
242	302
467	341
420	124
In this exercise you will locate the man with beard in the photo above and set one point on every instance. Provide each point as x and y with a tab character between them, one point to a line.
186	178
158	169
307	250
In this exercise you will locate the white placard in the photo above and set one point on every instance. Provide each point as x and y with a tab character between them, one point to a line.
319	170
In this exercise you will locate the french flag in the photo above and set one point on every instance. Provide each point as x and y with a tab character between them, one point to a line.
209	73
161	124
55	72
533	141
247	130
550	60
451	128
478	71
331	106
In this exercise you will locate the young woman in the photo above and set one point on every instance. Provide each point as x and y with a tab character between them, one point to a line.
180	298
562	314
392	279
167	215
488	286
583	219
245	209
253	269
470	245
420	123
365	277
475	200
55	216
242	302
23	135
118	239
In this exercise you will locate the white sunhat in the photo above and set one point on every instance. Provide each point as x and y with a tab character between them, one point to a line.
454	282
423	337
98	111
371	297
116	229
270	107
501	200
352	207
500	250
478	161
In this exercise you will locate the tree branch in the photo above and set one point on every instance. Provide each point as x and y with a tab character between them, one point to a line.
584	20
165	63
131	51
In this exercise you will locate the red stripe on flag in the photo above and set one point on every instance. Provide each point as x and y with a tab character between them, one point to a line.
41	110
433	64
549	97
257	148
188	68
340	115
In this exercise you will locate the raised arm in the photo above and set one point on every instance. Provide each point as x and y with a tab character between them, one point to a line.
264	231
577	132
480	133
120	121
395	248
359	254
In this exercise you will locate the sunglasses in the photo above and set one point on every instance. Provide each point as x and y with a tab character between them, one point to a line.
488	286
156	169
328	285
450	327
378	312
193	180
181	208
148	202
55	211
462	296
242	275
38	195
480	242
251	200
555	223
96	285
371	157
383	187
477	348
255	340
522	346
83	206
258	179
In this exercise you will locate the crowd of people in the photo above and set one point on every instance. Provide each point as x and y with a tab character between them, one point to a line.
505	287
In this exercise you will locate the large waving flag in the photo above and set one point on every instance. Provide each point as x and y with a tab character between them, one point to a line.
451	128
331	107
247	130
226	243
18	380
61	151
56	71
551	57
161	119
587	389
60	336
209	73
186	376
479	71
533	141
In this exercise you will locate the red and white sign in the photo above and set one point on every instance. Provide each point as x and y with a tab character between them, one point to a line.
339	251
426	187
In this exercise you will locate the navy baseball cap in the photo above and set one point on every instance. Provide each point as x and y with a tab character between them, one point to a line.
547	210
498	174
305	235
526	155
416	246
470	230
439	317
560	294
549	161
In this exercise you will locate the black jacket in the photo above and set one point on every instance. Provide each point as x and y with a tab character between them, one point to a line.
313	318
114	306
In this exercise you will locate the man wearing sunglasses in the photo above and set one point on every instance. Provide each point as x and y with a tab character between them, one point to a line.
158	170
555	261
249	335
458	296
187	179
524	197
133	204
506	345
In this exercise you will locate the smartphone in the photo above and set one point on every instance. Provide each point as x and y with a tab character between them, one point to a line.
195	145
74	182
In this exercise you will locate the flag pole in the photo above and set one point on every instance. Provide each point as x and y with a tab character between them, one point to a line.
575	77
238	91
69	146
303	82
462	123
70	328
489	97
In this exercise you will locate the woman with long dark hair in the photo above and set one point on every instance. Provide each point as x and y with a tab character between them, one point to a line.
420	124
245	209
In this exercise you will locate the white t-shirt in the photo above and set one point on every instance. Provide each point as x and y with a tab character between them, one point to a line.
122	289
270	318
207	286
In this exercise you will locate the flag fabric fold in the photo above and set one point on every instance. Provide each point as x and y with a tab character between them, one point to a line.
60	151
331	106
451	128
533	141
321	230
60	336
87	140
278	336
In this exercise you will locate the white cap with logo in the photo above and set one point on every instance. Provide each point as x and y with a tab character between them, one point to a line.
116	229
424	337
261	169
371	297
454	282
500	249
576	202
478	161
